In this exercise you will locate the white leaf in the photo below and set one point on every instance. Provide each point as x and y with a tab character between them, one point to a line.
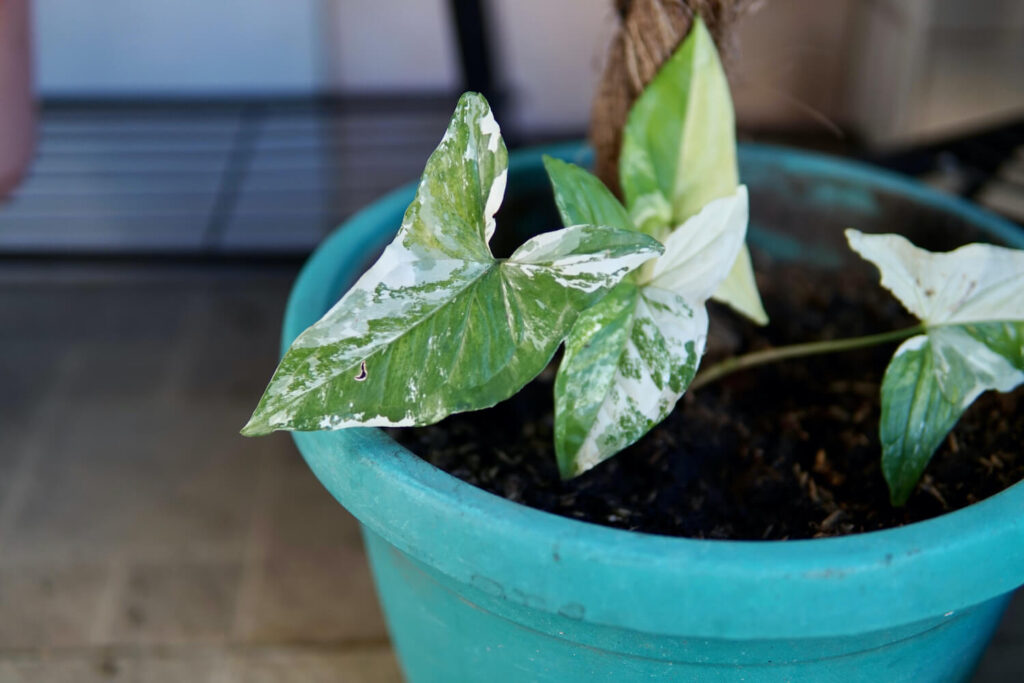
975	283
699	253
739	290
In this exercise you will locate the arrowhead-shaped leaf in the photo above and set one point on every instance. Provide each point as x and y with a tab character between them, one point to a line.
971	301
438	325
629	359
973	284
679	153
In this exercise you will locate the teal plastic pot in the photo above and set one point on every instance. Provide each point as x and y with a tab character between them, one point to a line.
477	588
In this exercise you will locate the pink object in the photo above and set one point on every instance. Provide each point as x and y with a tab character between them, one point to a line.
17	109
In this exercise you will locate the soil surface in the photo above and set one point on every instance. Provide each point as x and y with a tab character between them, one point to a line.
784	451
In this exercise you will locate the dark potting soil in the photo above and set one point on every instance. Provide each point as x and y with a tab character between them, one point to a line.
785	451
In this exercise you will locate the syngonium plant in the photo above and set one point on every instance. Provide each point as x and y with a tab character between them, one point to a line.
438	325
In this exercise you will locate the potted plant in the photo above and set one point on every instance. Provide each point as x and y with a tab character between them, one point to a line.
478	587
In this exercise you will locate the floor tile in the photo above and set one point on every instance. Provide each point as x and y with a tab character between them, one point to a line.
104	666
116	314
26	376
176	603
95	668
290	666
113	372
140	478
32	376
187	667
310	581
46	606
231	340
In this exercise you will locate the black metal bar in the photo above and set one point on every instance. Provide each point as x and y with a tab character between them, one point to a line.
233	177
472	31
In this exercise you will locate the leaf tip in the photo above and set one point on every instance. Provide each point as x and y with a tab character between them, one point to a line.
570	465
899	492
256	426
472	96
758	315
566	471
655	245
551	165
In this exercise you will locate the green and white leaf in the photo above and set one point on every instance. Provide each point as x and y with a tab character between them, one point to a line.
438	325
971	301
631	357
679	153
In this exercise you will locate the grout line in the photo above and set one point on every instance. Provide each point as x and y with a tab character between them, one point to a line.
211	555
192	648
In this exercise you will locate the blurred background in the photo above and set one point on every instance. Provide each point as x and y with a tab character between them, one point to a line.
166	167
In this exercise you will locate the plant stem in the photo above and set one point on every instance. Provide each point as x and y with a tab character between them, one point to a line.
750	360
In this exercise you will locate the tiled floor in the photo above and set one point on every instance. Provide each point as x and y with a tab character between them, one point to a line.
142	539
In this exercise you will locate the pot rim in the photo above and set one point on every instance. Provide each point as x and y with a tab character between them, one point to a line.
760	589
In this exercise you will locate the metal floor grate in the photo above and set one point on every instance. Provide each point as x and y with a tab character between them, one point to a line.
226	180
270	179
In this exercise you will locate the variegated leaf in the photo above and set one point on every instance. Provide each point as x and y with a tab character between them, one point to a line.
438	325
679	153
629	359
971	301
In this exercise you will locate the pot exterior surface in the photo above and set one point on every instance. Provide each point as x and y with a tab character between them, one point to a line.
476	587
446	631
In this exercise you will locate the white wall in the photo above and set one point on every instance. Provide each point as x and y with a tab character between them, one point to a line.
550	54
928	69
176	46
196	47
381	45
798	64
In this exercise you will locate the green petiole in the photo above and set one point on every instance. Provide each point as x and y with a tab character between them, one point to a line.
750	360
